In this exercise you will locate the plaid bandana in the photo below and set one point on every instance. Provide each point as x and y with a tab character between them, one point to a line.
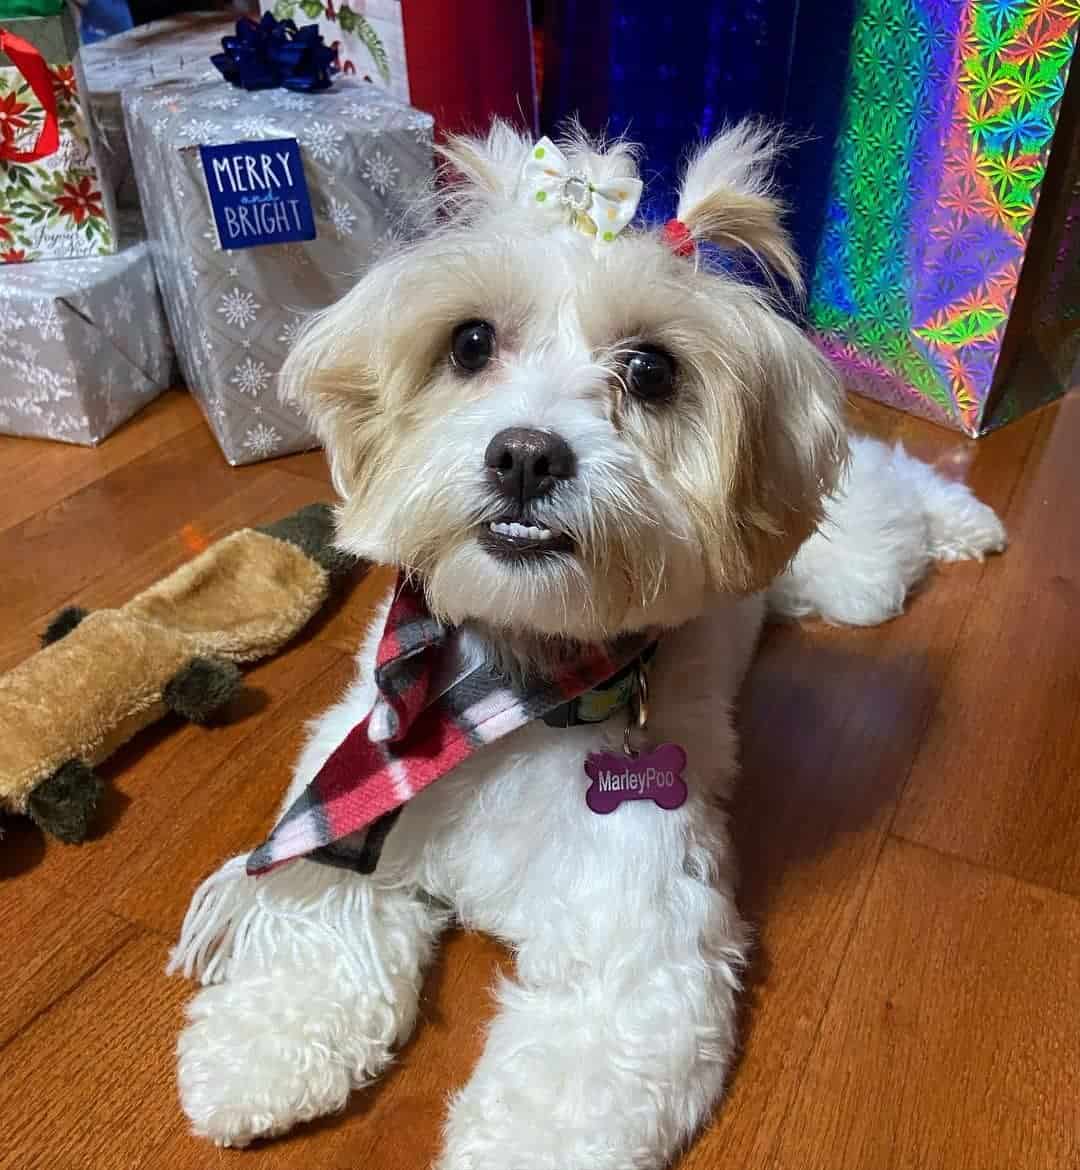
415	735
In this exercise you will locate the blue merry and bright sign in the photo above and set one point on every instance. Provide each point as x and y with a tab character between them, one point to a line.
258	193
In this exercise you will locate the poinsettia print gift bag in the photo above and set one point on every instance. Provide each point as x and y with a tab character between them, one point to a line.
52	201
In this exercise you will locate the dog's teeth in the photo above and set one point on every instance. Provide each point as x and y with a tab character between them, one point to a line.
520	531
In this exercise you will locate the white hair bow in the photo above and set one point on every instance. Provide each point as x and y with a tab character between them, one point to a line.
549	183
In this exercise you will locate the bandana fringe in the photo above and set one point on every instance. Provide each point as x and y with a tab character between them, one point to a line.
237	923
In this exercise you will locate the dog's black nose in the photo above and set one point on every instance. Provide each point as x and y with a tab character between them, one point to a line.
526	463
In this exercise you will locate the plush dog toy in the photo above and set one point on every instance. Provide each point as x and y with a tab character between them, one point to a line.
103	676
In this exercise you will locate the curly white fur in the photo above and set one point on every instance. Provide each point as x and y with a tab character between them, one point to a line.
613	1041
890	519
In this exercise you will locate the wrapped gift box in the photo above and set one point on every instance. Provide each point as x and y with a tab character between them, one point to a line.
354	159
83	345
949	123
56	205
165	50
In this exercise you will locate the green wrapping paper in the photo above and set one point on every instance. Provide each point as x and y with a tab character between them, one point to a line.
16	9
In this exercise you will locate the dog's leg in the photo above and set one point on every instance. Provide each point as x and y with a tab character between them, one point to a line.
891	517
314	975
321	972
611	1048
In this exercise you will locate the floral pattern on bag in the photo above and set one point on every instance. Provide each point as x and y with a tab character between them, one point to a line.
53	207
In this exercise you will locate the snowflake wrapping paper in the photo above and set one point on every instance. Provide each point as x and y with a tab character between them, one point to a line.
57	206
949	123
164	50
83	345
234	314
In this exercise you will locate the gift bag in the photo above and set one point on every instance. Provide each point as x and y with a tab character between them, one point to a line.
1040	352
368	36
919	134
52	200
926	288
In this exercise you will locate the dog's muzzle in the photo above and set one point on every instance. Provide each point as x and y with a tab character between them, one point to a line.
525	465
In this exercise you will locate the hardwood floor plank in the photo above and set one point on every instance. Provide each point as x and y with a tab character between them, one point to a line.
952	1039
52	940
996	778
346	627
311	464
35	473
90	1083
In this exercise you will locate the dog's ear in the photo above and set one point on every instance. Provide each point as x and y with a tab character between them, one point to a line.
727	198
489	165
329	374
757	487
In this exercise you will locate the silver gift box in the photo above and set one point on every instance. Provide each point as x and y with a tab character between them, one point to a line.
83	345
165	50
235	313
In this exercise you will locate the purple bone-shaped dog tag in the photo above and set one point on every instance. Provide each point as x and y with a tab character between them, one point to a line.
655	775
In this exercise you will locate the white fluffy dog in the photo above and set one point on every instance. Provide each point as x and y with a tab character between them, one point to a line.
563	438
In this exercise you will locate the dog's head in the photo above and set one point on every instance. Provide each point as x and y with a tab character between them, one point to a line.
565	436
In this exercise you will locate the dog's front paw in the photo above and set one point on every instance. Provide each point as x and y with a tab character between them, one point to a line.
508	1127
254	1062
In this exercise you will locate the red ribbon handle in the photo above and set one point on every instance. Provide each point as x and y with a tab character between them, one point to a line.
31	64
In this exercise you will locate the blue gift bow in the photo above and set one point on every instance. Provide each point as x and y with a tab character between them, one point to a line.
273	53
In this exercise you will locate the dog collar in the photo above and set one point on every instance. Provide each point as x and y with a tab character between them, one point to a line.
603	701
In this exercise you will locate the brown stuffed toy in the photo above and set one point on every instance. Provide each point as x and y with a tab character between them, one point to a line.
103	676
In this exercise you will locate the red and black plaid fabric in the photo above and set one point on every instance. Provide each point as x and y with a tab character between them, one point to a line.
410	738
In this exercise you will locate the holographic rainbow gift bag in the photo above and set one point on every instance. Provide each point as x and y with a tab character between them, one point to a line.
947	280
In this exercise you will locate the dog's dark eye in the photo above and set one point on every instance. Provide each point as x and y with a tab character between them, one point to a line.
473	345
650	373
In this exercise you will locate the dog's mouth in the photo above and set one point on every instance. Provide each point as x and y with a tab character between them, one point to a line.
511	540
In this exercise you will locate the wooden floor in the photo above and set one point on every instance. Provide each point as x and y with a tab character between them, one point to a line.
909	828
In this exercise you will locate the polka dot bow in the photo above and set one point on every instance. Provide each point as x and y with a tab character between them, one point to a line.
549	183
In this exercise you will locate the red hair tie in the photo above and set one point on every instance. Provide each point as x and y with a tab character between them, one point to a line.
678	238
